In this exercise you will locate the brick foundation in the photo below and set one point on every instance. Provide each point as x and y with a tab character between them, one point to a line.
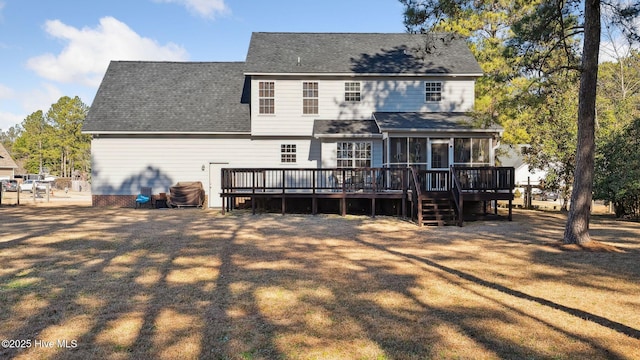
124	201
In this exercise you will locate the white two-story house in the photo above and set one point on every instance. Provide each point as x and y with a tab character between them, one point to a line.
300	100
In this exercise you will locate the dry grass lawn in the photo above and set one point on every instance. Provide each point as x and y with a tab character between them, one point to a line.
189	284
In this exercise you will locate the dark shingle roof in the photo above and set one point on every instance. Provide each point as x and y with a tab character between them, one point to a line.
171	97
360	53
418	121
345	128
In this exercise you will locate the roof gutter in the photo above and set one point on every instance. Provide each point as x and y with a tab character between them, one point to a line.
97	132
442	130
314	74
346	136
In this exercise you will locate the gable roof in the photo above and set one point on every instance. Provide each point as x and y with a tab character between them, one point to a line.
509	155
6	162
171	97
433	122
360	53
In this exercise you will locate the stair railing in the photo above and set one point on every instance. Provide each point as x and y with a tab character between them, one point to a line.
416	195
456	192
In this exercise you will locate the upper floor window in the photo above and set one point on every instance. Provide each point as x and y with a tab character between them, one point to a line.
433	91
352	92
267	97
309	97
288	153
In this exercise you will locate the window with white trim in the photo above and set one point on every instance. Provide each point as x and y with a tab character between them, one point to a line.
352	92
433	91
353	154
288	153
267	97
309	97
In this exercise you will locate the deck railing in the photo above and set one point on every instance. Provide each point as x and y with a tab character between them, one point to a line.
485	178
278	180
313	180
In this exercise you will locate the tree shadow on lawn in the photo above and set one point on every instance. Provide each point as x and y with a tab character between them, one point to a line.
191	284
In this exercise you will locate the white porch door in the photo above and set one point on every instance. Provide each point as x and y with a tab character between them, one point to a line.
438	160
439	154
215	184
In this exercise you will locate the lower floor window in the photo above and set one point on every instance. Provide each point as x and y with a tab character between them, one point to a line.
288	153
354	154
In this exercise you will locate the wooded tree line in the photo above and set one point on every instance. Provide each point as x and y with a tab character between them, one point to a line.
540	60
51	142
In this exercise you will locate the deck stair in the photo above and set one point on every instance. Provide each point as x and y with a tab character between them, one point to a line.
438	210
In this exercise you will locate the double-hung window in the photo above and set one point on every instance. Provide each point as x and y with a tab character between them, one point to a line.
309	97
352	92
288	153
267	97
433	91
354	154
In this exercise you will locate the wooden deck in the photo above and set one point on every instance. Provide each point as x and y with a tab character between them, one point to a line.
413	189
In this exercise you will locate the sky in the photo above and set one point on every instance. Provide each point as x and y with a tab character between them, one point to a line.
55	48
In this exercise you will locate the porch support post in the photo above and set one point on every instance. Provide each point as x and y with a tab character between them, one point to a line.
314	205
420	223
253	192
343	200
404	195
284	185
314	199
461	215
373	206
283	204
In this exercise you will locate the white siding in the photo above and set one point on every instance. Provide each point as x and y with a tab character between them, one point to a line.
120	166
382	94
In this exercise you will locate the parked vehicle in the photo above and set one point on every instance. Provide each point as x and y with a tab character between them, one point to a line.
28	185
9	185
549	195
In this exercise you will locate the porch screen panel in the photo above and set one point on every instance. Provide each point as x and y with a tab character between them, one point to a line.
417	151
398	151
480	151
472	151
462	151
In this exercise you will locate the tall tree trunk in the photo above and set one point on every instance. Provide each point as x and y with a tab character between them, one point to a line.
577	228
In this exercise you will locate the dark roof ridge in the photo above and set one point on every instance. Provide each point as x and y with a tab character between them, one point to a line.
175	62
355	32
